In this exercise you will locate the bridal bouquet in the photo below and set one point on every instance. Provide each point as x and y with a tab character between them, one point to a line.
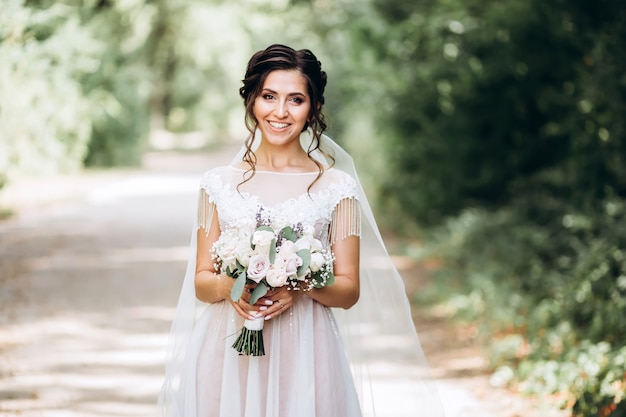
270	258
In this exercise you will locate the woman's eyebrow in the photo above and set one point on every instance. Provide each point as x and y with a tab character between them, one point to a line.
296	93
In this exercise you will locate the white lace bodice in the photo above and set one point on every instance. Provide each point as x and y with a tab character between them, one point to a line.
277	199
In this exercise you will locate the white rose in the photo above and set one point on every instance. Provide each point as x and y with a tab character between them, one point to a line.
262	237
303	243
287	248
243	252
225	249
292	264
276	277
229	262
258	267
316	245
227	242
262	241
278	262
309	242
246	227
308	231
317	261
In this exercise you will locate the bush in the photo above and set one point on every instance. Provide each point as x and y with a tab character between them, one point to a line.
551	294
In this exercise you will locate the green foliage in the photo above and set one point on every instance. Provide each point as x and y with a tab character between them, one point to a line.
74	85
551	294
499	99
506	144
44	116
121	84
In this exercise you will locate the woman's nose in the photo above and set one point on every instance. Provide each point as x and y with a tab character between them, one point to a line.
281	109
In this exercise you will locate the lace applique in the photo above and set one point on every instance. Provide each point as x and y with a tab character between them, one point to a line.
332	208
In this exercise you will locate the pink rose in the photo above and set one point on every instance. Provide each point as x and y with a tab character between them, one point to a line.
292	264
258	267
287	249
276	277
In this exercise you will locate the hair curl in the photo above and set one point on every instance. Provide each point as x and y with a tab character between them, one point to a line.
281	57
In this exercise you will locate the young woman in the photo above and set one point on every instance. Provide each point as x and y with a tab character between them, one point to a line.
316	341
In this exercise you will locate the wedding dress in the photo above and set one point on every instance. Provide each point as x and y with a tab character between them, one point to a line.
318	362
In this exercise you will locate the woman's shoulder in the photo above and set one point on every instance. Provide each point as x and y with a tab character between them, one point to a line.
218	177
339	182
337	174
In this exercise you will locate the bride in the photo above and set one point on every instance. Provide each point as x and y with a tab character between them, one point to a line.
326	351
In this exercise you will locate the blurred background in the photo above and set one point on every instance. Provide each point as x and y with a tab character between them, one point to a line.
493	134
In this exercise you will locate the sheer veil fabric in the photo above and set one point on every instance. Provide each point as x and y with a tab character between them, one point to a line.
389	370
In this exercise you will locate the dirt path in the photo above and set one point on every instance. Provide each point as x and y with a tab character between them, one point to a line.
88	290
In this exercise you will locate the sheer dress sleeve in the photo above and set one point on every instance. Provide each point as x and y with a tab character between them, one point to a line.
206	210
346	220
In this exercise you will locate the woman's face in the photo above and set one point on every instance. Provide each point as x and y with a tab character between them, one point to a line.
282	108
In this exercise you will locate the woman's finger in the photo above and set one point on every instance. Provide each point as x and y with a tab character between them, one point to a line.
244	309
279	307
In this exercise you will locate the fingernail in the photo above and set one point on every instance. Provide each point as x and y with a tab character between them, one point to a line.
262	308
269	302
268	317
257	315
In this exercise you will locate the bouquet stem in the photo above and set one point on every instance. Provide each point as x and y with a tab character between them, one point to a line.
250	340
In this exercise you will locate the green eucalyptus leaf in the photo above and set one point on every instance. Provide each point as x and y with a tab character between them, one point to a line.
272	254
289	233
238	286
305	255
259	291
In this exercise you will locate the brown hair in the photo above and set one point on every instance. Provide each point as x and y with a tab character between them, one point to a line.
281	57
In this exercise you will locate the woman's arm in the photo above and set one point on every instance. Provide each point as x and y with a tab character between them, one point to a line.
344	292
210	287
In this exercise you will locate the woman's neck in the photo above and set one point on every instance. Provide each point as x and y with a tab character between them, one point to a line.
283	159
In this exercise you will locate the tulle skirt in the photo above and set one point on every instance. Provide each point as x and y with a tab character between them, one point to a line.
304	373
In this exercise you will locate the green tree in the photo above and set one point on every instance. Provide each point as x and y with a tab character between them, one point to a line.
44	117
506	129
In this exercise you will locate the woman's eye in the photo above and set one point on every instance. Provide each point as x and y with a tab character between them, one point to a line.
268	96
297	100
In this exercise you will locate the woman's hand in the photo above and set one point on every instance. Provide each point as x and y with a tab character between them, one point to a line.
244	308
281	300
272	304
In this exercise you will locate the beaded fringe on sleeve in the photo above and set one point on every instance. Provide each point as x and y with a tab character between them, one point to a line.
346	220
206	208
